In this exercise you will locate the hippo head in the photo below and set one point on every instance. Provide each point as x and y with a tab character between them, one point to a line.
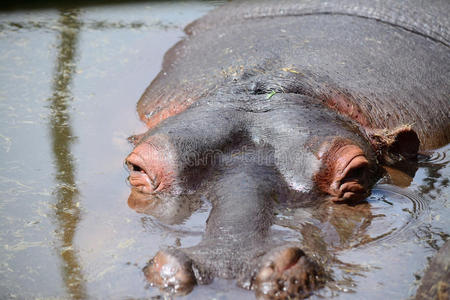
246	161
314	155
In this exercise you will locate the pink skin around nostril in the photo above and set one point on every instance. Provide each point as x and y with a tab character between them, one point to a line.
151	165
140	177
349	182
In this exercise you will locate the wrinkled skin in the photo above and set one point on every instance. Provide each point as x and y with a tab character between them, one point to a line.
296	110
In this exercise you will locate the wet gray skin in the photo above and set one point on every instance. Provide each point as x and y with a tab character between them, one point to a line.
265	107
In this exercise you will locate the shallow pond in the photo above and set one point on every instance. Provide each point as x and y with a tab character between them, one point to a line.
69	82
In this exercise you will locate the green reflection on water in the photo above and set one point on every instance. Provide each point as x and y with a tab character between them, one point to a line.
67	211
94	25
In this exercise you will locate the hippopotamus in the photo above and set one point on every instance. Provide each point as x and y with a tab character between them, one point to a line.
271	104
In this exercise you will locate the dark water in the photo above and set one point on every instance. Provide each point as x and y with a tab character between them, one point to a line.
69	81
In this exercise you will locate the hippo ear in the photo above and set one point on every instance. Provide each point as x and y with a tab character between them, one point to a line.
135	139
394	145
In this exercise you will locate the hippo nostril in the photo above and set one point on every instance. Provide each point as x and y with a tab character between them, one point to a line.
140	176
356	169
136	168
351	184
357	173
133	165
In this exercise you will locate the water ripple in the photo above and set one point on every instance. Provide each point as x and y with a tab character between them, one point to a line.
437	157
397	210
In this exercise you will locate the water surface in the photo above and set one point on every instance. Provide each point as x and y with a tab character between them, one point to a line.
69	81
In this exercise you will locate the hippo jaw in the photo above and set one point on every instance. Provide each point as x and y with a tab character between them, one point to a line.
256	169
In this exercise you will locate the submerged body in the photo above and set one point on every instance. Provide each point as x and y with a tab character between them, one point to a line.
281	104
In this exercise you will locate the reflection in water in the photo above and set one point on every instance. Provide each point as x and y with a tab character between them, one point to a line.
169	210
389	216
434	166
66	210
94	25
434	173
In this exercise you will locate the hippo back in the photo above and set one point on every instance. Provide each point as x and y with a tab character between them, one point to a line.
384	64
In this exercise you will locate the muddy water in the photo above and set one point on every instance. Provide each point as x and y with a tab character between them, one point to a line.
69	81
